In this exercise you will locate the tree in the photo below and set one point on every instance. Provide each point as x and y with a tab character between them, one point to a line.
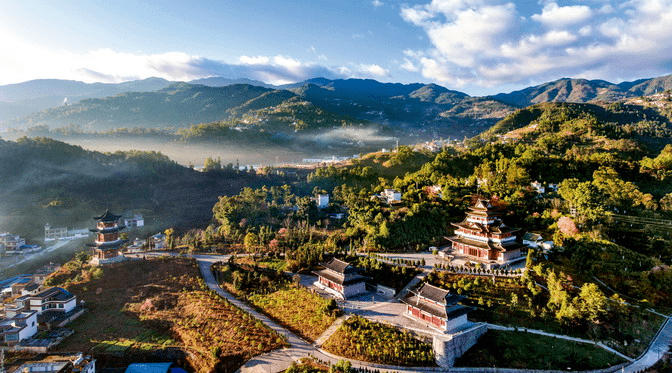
592	302
210	164
251	241
170	239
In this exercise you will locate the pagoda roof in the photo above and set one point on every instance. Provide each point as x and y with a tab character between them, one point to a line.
485	213
107	216
107	230
340	266
487	245
448	307
341	280
107	245
498	227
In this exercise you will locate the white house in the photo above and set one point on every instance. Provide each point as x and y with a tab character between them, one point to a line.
52	299
18	327
392	195
322	201
136	221
538	187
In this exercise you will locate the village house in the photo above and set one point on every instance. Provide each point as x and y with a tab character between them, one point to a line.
41	273
157	241
11	242
322	201
538	187
66	363
484	238
392	195
341	279
52	234
19	326
136	221
52	299
436	307
54	307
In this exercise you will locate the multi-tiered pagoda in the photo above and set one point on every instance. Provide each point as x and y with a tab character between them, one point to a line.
107	243
484	237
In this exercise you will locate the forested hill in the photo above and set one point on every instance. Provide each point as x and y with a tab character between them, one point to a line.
177	105
583	90
559	126
47	181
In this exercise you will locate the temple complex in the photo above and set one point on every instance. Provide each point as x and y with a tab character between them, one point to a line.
484	238
436	307
341	279
107	243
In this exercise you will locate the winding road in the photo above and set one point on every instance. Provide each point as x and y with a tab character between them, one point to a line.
279	360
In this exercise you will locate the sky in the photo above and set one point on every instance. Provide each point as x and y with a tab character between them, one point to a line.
478	47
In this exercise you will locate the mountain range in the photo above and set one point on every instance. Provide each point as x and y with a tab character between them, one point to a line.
423	110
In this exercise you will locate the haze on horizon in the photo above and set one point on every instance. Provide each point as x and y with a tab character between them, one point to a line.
479	46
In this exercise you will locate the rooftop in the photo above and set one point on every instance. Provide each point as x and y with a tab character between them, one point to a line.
448	307
107	217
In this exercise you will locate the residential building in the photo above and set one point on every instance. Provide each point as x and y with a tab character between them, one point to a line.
42	272
11	242
52	299
52	234
69	363
19	326
436	307
157	241
341	279
322	201
392	195
538	187
136	221
484	238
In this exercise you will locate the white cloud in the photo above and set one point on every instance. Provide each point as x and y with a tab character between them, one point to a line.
377	3
373	70
488	42
408	65
559	16
27	60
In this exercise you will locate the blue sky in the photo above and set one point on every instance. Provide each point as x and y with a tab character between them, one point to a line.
475	46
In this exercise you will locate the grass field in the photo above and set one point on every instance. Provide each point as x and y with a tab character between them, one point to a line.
137	308
296	308
361	339
504	349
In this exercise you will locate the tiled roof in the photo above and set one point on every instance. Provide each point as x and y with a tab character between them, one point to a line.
347	280
336	265
107	217
449	307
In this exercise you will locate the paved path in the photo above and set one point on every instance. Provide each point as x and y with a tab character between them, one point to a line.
279	360
330	330
656	350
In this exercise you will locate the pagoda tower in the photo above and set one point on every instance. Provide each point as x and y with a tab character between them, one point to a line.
484	238
107	243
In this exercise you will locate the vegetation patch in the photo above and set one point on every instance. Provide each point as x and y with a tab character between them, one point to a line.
361	339
296	308
506	349
561	308
149	309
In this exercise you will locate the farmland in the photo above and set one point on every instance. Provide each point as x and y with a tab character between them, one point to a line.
159	309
